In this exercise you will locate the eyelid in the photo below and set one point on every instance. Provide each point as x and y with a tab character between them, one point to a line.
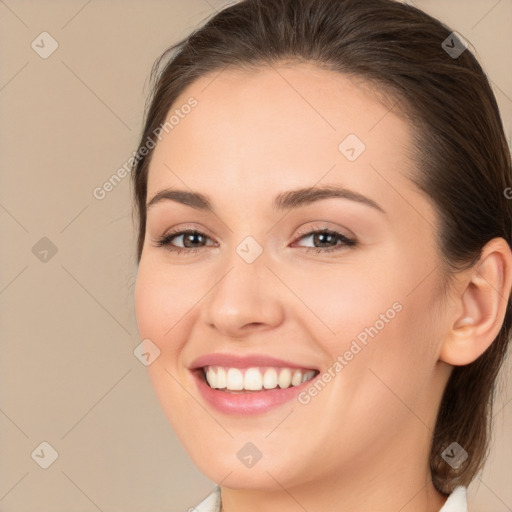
305	230
188	227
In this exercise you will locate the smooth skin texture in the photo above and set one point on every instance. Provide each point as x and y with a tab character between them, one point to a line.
362	443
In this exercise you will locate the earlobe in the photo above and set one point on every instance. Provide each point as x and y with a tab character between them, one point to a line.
481	305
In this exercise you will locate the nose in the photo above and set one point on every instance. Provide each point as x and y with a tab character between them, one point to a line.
246	298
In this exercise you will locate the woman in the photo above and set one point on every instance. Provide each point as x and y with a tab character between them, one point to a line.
324	255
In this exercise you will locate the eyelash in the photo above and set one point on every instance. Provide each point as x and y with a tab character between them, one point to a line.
165	241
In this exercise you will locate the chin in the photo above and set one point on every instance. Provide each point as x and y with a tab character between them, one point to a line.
229	471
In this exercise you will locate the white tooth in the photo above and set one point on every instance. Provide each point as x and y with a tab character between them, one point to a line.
296	379
211	377
270	379
253	380
221	378
285	378
234	380
308	375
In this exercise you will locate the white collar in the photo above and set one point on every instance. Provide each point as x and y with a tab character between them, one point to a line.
210	504
456	502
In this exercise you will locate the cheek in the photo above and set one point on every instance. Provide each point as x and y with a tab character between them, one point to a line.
151	303
164	303
163	312
378	316
401	357
345	300
156	314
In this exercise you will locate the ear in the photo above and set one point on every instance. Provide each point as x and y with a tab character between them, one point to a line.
481	303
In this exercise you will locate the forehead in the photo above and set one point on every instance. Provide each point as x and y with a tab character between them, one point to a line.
280	127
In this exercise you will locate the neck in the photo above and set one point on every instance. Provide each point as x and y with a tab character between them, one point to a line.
390	482
424	498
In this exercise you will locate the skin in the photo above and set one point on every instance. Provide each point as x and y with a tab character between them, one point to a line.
363	442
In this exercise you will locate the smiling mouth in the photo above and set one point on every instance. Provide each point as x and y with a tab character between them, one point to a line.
254	379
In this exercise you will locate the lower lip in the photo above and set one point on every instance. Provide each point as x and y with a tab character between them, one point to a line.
246	403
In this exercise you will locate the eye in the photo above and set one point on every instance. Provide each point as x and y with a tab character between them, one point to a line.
190	236
328	236
334	239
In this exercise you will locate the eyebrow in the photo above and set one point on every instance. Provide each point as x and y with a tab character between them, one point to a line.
284	201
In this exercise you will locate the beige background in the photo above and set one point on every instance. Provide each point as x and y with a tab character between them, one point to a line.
68	373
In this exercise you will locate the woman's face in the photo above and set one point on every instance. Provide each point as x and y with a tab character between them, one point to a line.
257	297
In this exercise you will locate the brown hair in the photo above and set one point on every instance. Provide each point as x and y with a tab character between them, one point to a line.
463	161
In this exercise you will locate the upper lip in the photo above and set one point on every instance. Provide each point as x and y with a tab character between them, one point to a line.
246	361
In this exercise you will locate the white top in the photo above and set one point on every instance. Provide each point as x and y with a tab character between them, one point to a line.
456	502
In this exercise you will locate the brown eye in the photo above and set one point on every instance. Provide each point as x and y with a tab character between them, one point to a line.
190	237
321	237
